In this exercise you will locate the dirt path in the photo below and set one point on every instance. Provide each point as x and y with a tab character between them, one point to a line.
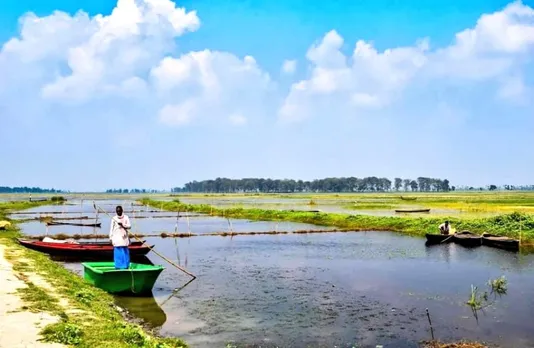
18	328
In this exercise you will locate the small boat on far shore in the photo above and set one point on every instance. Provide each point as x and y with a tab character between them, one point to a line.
57	218
467	239
438	238
58	223
408	198
412	210
500	242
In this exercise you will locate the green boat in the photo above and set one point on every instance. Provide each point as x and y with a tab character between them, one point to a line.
139	279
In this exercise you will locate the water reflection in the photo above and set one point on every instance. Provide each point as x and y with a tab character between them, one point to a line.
145	308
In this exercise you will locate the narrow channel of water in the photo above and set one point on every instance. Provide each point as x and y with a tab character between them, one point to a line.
332	289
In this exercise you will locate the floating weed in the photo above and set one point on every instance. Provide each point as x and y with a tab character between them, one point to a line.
498	286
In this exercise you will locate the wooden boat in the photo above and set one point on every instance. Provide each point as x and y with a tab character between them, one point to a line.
432	238
100	252
58	223
412	210
500	242
408	198
51	241
56	218
139	279
467	239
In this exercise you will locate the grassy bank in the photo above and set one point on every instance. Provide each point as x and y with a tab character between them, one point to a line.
90	318
504	224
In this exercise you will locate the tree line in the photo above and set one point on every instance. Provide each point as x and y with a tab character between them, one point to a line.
25	189
350	184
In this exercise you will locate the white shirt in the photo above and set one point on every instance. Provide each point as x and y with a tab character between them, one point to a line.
444	228
117	234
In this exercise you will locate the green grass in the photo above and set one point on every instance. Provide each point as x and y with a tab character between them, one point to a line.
96	323
37	300
504	224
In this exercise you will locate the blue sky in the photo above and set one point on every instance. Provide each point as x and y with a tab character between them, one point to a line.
156	95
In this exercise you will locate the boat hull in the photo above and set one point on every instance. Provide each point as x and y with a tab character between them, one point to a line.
93	243
438	238
102	252
57	223
412	210
467	239
500	242
139	279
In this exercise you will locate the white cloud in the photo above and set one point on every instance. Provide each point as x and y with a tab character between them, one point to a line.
129	63
125	59
289	67
178	114
500	44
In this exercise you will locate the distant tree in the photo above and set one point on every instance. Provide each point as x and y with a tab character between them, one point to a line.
406	184
445	185
492	187
398	183
413	185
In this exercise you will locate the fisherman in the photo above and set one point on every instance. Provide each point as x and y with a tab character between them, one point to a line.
445	228
118	234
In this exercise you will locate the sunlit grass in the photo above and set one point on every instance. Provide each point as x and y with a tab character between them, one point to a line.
503	224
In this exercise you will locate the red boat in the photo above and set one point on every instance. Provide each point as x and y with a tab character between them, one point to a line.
99	251
50	241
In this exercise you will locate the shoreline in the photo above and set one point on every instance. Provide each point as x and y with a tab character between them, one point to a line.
77	313
504	224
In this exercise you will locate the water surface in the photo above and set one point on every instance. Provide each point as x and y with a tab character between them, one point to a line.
335	289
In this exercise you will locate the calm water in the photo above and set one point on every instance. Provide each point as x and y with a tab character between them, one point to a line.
331	289
151	223
334	289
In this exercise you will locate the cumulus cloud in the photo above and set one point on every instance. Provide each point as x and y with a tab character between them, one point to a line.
129	57
497	46
130	62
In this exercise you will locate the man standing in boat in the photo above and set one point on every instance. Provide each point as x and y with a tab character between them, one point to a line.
445	227
118	234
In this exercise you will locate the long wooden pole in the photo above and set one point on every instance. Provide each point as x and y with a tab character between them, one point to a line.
155	252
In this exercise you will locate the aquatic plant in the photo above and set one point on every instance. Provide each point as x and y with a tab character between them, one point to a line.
480	300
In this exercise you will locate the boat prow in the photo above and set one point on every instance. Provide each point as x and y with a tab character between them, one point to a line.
500	242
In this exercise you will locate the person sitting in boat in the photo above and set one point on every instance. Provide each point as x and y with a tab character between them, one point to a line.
444	228
118	234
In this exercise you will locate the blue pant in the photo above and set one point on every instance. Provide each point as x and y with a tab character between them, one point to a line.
121	256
